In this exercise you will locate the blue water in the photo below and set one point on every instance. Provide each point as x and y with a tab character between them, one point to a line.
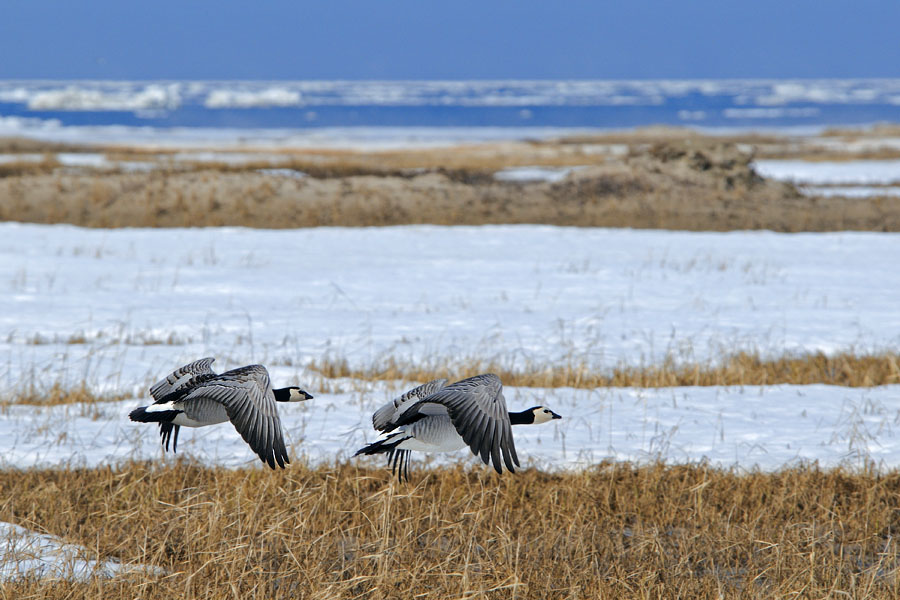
42	106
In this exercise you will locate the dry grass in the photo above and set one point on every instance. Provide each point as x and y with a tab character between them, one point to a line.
845	369
615	531
46	165
643	194
57	394
18	145
692	182
878	130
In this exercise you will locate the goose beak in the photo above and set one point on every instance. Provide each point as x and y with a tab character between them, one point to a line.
554	415
307	396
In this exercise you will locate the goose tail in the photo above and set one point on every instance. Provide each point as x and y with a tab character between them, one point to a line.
385	446
142	415
397	458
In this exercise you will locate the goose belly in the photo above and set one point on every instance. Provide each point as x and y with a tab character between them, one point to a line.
185	421
199	413
433	434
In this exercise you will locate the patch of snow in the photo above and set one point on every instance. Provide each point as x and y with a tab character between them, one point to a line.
860	172
863	144
136	166
850	191
534	174
84	159
289	173
28	554
231	158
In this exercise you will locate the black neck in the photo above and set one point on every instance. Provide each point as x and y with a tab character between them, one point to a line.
282	394
526	417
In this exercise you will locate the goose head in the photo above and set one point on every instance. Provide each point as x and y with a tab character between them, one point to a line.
291	394
542	414
533	416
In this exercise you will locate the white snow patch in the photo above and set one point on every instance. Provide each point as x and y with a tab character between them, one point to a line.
25	553
231	158
850	191
534	174
289	173
84	159
861	172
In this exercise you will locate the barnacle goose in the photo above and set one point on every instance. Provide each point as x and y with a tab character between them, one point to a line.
436	417
195	396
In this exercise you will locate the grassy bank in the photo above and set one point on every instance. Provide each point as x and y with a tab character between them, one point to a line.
690	183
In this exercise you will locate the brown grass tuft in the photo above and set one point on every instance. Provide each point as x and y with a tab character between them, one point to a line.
57	394
615	531
29	167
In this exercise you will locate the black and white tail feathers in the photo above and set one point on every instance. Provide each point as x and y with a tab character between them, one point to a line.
167	430
397	458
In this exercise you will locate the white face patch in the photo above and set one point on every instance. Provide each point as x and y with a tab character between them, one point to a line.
542	415
297	396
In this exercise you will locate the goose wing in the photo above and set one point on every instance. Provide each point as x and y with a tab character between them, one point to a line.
247	396
478	411
384	418
182	377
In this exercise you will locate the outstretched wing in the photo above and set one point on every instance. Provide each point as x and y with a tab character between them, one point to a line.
250	405
478	411
182	377
383	418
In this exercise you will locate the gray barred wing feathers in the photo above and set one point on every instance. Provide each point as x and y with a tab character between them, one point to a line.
182	377
384	419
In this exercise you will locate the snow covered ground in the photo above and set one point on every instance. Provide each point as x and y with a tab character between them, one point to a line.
116	309
765	427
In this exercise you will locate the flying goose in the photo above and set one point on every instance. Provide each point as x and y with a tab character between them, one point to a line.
195	396
436	417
